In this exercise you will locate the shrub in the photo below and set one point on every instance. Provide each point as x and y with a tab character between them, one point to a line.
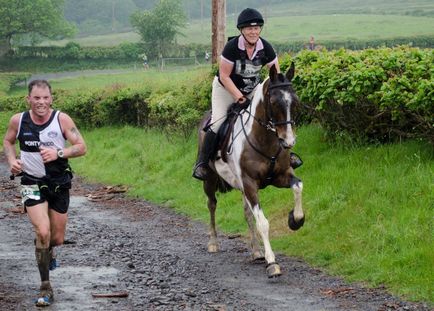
375	94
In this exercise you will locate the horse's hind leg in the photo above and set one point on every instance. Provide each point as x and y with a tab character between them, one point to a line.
257	253
210	186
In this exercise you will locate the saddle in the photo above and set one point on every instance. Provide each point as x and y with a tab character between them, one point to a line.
224	132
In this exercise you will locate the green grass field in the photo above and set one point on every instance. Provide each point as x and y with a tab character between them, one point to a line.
133	78
294	28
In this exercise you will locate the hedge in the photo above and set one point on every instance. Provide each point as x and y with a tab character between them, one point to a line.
124	51
131	51
425	41
375	95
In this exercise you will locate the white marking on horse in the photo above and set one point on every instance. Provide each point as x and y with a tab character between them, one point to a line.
298	210
289	136
231	171
263	227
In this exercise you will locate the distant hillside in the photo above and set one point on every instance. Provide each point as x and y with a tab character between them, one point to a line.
101	17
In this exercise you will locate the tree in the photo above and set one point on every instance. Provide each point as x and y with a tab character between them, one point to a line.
159	27
33	17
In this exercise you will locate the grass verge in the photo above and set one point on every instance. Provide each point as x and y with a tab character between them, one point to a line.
369	210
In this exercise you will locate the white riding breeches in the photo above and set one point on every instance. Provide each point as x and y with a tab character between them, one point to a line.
221	100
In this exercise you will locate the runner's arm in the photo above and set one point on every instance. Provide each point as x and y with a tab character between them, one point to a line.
9	145
73	136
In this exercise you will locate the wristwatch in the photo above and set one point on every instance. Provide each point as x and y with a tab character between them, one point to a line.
60	153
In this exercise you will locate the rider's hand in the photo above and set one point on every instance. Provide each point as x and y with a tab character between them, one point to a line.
244	102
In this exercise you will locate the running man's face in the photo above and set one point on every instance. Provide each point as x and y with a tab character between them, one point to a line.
40	100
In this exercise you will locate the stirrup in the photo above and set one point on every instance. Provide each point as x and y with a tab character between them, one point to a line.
200	171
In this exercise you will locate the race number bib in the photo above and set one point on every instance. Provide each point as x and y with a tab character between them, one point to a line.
30	192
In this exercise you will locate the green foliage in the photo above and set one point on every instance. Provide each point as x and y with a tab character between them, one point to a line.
159	27
421	41
34	17
74	53
172	106
378	95
5	116
37	65
374	95
9	79
179	109
110	106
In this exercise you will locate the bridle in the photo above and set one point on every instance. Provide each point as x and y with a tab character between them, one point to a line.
270	124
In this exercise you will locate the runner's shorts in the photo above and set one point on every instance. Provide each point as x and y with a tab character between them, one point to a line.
35	191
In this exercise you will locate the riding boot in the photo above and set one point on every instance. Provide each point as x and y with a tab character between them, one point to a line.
295	160
201	168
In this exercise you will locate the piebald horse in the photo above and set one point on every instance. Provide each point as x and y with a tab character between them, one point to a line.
257	156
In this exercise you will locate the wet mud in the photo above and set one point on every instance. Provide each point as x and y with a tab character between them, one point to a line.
158	260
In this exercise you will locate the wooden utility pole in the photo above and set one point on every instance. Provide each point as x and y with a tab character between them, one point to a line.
218	28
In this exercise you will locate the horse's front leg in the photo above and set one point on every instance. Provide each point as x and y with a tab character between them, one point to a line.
209	187
257	253
262	225
296	216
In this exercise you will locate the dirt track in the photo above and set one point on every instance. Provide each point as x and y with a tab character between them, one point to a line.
159	258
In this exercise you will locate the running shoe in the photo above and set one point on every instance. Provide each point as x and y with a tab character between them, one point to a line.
46	296
53	262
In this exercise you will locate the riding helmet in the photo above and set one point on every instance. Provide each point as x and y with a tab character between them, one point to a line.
249	17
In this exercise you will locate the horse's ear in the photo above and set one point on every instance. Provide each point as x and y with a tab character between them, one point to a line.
290	73
273	73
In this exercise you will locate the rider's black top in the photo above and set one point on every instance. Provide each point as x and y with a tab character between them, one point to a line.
245	73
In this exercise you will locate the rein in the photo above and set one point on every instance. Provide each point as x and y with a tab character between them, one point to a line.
273	159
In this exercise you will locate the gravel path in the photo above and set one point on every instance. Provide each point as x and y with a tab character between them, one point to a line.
160	260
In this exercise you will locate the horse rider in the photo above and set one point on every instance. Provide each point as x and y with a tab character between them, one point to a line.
237	78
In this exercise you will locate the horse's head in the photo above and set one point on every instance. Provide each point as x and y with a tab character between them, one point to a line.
279	98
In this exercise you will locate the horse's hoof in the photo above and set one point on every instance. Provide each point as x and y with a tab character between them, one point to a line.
273	270
213	248
292	224
258	256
